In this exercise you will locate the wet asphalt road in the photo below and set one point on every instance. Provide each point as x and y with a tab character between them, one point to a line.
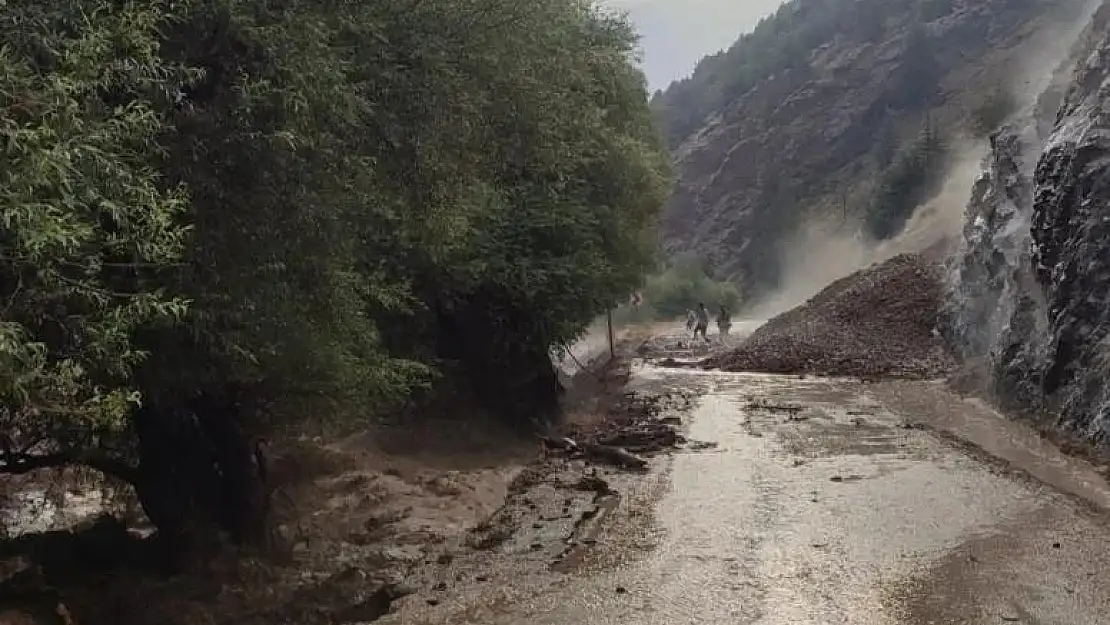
825	504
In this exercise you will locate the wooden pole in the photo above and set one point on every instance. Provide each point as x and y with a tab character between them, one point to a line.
612	347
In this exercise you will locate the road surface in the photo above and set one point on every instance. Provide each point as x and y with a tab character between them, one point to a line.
838	502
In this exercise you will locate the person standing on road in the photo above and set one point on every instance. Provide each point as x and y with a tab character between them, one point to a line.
724	322
691	320
702	322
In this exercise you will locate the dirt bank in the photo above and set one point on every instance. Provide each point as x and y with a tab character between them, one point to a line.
878	322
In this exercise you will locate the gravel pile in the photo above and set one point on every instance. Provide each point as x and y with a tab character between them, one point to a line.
878	322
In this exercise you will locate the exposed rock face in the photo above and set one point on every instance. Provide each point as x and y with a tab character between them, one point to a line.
1071	245
995	301
811	139
1031	292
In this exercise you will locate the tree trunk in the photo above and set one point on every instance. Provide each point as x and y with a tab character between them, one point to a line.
197	475
510	376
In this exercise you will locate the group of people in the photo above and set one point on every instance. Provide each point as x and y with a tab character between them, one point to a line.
698	321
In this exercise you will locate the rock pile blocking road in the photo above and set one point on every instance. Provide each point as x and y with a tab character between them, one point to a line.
878	322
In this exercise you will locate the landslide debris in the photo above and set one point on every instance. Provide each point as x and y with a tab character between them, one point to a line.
878	322
634	425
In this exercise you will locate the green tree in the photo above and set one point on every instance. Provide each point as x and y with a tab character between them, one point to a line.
271	143
932	10
992	111
538	156
381	195
910	180
685	283
919	71
84	97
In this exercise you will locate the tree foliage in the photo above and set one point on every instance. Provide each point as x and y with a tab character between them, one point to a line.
992	110
915	174
83	95
919	73
935	9
683	285
292	210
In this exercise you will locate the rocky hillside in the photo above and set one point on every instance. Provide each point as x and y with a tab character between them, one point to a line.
822	109
1031	290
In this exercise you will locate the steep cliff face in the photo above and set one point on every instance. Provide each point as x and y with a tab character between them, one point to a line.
1030	296
995	302
811	136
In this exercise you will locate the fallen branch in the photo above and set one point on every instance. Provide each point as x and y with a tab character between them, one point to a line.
613	455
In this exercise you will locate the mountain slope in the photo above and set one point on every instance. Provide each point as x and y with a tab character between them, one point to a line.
817	111
1030	293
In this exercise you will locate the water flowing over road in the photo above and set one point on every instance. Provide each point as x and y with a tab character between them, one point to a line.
834	501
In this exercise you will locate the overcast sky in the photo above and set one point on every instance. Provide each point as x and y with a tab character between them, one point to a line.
676	33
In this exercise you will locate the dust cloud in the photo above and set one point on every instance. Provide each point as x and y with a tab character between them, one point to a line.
592	346
1053	44
824	251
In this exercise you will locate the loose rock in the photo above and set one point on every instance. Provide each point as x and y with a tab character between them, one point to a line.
878	322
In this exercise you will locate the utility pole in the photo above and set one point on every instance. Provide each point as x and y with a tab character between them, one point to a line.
609	320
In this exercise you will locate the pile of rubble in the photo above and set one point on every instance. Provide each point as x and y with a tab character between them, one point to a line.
878	322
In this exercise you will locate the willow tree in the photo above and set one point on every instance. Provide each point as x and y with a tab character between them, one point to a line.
533	156
382	190
83	101
269	142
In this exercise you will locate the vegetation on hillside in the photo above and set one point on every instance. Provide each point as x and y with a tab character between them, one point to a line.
679	287
915	174
779	54
223	217
782	45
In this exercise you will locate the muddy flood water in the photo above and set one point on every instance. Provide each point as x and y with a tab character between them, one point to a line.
834	501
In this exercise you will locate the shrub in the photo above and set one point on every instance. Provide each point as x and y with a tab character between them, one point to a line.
683	285
913	176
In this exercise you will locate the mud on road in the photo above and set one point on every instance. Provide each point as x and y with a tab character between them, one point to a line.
572	512
814	500
827	500
401	522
